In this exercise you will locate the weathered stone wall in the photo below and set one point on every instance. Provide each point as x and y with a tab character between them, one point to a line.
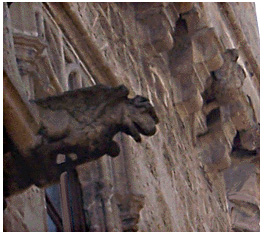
26	212
199	66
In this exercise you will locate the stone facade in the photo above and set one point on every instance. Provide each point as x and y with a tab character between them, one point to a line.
197	63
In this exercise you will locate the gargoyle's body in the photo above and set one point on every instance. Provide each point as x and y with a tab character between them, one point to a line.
84	122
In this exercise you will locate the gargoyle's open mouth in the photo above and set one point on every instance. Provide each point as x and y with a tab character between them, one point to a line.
141	119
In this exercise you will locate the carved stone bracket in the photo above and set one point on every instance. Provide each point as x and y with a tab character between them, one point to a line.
83	122
230	120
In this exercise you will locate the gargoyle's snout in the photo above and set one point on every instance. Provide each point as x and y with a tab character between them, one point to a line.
144	118
145	125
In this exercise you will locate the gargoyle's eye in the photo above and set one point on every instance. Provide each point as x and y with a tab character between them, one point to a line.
139	100
142	99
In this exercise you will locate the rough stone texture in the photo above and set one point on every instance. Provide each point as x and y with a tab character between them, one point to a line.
199	67
250	30
81	122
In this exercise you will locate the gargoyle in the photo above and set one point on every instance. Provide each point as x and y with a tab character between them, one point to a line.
84	122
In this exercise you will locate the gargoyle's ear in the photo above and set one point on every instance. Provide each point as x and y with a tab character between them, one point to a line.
140	101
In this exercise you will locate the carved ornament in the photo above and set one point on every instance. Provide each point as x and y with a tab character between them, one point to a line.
83	122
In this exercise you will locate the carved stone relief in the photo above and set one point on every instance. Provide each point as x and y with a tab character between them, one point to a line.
84	122
38	53
223	123
178	62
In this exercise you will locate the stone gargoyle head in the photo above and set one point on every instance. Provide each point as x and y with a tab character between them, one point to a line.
84	122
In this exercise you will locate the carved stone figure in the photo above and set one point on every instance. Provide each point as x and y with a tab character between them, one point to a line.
84	122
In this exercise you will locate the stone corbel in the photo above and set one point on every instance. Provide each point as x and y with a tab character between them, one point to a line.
229	93
81	122
230	120
215	146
